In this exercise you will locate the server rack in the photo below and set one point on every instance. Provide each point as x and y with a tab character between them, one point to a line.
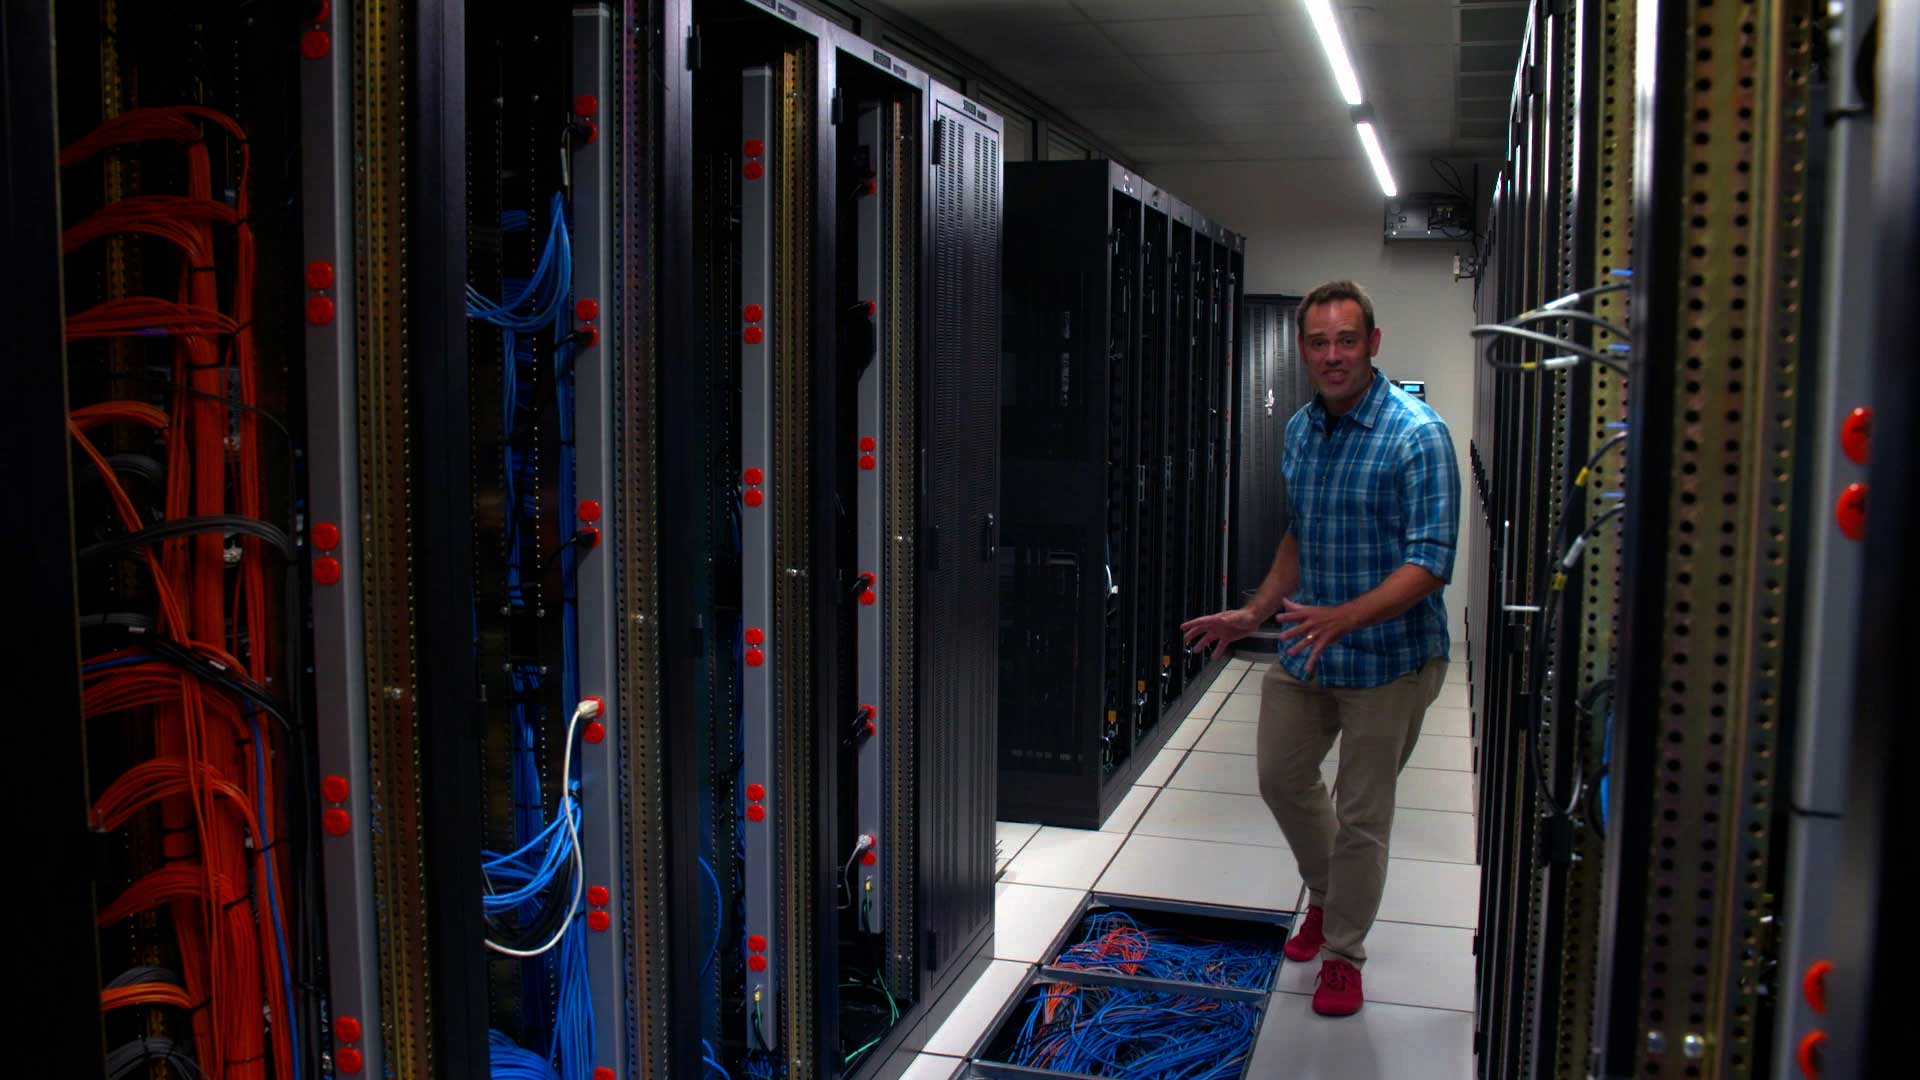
1113	439
1271	386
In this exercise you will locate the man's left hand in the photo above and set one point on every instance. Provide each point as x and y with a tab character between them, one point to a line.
1314	628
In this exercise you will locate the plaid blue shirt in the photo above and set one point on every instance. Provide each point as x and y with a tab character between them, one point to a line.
1371	491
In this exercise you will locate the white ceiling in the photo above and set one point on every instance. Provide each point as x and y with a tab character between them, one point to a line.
1245	80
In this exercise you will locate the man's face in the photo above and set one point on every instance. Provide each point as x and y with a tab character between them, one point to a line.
1339	351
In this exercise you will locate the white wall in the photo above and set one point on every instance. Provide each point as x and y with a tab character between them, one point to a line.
1307	222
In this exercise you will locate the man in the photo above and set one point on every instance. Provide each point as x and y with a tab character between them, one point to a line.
1374	490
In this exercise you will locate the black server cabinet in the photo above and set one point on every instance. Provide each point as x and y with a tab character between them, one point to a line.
1271	386
958	599
1083	567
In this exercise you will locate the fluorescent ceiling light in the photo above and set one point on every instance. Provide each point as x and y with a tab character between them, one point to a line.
1329	28
1371	140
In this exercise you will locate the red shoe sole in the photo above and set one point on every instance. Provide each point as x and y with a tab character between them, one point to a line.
1336	1011
1303	955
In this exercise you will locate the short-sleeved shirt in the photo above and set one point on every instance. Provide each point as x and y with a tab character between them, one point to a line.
1371	491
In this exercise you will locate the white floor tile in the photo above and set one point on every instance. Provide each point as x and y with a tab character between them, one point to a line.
1209	703
976	1011
1188	733
1442	752
1457	672
1441	720
1008	838
1204	771
1237	665
932	1067
1430	966
1460	651
1234	874
1026	919
1161	768
1063	858
1435	789
1132	805
1211	815
1454	696
1432	893
1432	834
1383	1042
1240	708
1229	738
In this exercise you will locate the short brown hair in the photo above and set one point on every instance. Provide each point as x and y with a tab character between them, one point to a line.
1332	293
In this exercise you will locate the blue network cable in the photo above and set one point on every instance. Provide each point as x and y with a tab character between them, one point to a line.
1121	1032
273	891
1114	941
531	306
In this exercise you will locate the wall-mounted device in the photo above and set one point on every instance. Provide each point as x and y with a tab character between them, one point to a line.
1429	216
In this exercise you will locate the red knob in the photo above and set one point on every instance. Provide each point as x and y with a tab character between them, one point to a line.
757	943
868	598
598	920
590	336
871	308
346	1029
868	187
753	313
756	812
754	148
593	131
586	105
755	658
756	792
319	310
1850	511
866	462
753	170
869	444
326	570
755	635
1814	985
597	895
753	335
869	859
594	732
326	536
315	44
592	536
333	788
868	711
1856	433
753	476
319	275
753	497
871	729
349	1061
335	821
1808	1055
589	510
586	310
604	1073
757	963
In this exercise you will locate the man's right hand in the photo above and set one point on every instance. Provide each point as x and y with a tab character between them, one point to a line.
1216	632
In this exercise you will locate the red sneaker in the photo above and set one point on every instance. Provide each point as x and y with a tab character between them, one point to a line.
1339	992
1304	944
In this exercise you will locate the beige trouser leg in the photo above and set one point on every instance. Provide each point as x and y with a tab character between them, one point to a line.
1341	852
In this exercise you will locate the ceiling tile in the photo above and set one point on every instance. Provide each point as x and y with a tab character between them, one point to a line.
1229	34
1145	152
1210	68
1498	86
942	14
1078	41
1103	10
1276	90
1145	124
1493	59
1493	22
1371	22
1069	94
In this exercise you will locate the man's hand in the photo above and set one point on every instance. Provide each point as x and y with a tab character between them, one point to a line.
1315	628
1216	632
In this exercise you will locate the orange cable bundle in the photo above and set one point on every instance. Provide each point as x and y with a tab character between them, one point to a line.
204	778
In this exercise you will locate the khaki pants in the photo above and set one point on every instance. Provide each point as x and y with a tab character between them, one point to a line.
1342	852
